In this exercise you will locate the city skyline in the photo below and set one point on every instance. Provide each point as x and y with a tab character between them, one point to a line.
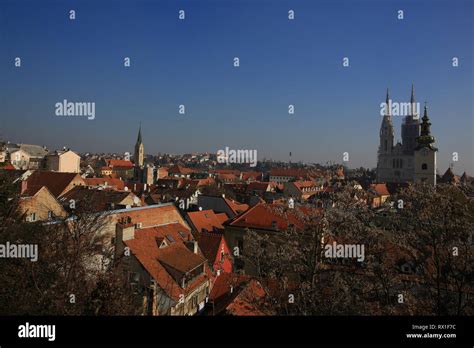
282	62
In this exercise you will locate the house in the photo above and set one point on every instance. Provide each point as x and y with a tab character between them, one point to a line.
206	221
120	168
281	175
450	178
301	190
380	194
105	171
40	205
57	183
65	161
265	218
220	204
105	183
25	156
165	267
179	171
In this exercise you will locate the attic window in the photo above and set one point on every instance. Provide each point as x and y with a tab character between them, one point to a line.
170	238
182	234
207	216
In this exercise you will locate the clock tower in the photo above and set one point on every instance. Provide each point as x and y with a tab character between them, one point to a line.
425	153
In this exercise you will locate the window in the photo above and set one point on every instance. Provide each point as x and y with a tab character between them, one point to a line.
424	166
33	216
50	215
170	238
182	234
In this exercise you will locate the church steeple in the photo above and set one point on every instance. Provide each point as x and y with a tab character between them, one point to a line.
139	149
139	139
387	104
387	133
425	139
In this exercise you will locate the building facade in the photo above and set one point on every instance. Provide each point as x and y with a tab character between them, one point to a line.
396	162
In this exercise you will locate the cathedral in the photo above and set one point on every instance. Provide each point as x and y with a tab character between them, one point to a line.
414	158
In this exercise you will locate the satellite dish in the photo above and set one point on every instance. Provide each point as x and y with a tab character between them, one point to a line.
136	200
125	188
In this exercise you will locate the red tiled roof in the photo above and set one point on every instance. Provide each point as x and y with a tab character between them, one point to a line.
226	171
380	189
288	172
261	216
112	182
56	182
176	255
237	295
179	169
207	219
236	207
251	175
119	163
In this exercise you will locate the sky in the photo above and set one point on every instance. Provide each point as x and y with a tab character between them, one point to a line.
191	62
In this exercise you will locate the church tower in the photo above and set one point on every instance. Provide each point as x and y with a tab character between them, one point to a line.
411	126
139	150
425	153
387	135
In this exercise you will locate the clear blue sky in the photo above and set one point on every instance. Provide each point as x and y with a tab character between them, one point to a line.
191	62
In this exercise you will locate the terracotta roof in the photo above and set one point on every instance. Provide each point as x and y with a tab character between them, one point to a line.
145	248
252	175
119	163
380	189
207	219
56	182
236	294
152	215
236	207
226	171
288	172
112	182
179	169
262	216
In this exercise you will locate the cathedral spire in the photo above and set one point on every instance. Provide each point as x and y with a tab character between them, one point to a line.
387	104
139	139
412	99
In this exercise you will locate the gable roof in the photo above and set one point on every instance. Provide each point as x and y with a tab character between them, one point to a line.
380	189
119	163
97	200
56	182
235	206
209	244
262	216
207	219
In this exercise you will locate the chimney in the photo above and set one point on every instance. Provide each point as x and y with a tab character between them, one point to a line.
192	245
124	229
24	186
